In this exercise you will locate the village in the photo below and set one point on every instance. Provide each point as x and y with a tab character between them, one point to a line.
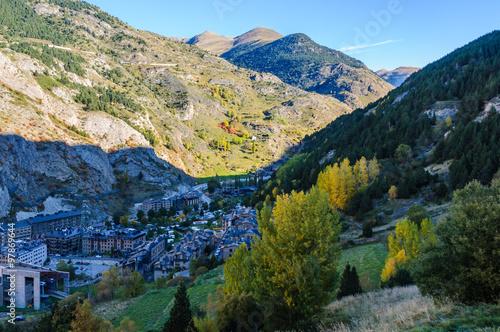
159	239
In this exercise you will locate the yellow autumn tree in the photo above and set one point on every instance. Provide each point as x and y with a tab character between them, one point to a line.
294	264
393	192
342	181
363	172
329	182
405	245
237	268
86	321
348	187
373	169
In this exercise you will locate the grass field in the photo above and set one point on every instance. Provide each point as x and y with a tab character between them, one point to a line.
151	310
369	261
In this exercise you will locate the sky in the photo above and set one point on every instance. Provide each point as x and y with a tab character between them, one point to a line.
381	33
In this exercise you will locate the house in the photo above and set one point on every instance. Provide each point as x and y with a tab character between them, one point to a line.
191	246
143	257
240	226
33	285
30	252
178	202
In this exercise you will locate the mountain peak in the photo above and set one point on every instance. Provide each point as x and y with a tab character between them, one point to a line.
212	42
397	76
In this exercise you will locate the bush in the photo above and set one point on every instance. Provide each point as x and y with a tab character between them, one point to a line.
201	270
401	279
235	311
417	213
176	281
161	283
465	263
441	190
367	230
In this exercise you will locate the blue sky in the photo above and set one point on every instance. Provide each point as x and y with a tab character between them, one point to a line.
381	33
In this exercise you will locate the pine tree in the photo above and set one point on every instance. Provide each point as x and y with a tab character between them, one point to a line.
349	284
181	319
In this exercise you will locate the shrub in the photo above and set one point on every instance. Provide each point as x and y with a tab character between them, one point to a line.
465	263
417	213
201	270
176	281
367	230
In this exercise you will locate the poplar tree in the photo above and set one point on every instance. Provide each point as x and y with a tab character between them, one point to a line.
294	265
406	244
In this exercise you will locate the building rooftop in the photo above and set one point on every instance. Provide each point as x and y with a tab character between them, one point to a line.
19	224
63	233
58	215
130	233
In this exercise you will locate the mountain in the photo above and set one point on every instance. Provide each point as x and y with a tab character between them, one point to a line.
299	61
212	42
250	41
445	115
397	76
233	46
93	108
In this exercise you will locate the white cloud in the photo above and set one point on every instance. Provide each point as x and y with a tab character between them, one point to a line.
350	48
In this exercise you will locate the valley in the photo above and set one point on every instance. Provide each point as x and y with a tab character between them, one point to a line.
262	182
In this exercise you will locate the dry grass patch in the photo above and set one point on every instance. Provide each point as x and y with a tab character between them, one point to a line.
392	309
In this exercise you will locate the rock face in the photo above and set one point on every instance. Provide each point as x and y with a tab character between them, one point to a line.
32	171
397	76
5	202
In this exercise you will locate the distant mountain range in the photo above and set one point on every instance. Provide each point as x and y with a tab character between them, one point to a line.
397	76
299	61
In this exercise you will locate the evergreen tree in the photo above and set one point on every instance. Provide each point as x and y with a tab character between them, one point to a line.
367	230
181	319
349	284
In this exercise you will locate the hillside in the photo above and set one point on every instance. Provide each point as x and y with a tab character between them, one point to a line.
446	113
405	309
299	61
397	76
157	109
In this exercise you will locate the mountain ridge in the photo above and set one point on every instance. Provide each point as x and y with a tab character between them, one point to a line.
299	61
